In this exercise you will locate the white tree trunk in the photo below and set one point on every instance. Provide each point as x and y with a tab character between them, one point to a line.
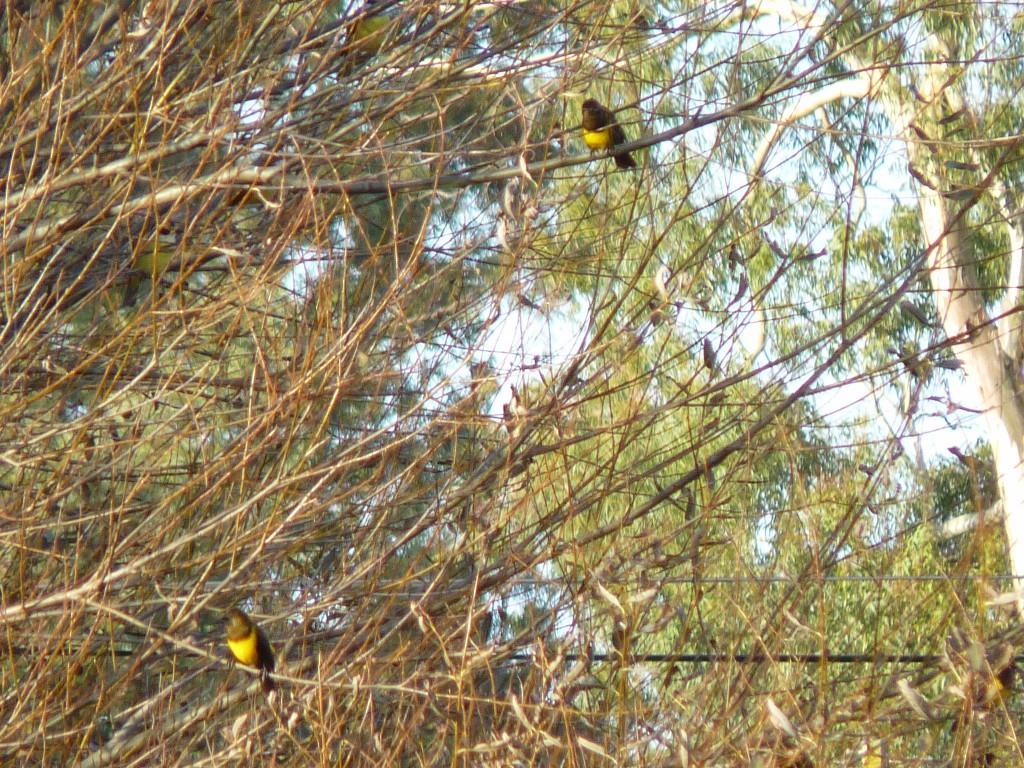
990	371
986	347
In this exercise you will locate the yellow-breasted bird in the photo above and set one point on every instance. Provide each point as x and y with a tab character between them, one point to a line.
367	32
602	131
999	687
149	262
249	646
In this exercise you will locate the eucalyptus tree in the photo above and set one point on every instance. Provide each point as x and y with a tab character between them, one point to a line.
271	272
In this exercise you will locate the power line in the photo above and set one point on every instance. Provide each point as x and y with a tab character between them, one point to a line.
753	658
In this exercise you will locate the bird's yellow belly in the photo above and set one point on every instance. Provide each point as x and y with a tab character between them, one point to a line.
244	650
601	139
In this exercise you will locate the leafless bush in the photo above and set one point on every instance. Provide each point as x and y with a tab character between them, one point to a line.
269	279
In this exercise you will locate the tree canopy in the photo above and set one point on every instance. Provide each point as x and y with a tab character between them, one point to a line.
326	311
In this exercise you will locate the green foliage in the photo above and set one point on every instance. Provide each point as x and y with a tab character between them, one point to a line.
266	295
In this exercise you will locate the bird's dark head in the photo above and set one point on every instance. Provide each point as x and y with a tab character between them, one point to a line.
591	104
239	625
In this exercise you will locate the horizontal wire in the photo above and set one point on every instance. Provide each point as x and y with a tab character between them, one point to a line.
753	658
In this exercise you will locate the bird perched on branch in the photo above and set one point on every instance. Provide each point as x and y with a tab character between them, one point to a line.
366	33
602	131
249	646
